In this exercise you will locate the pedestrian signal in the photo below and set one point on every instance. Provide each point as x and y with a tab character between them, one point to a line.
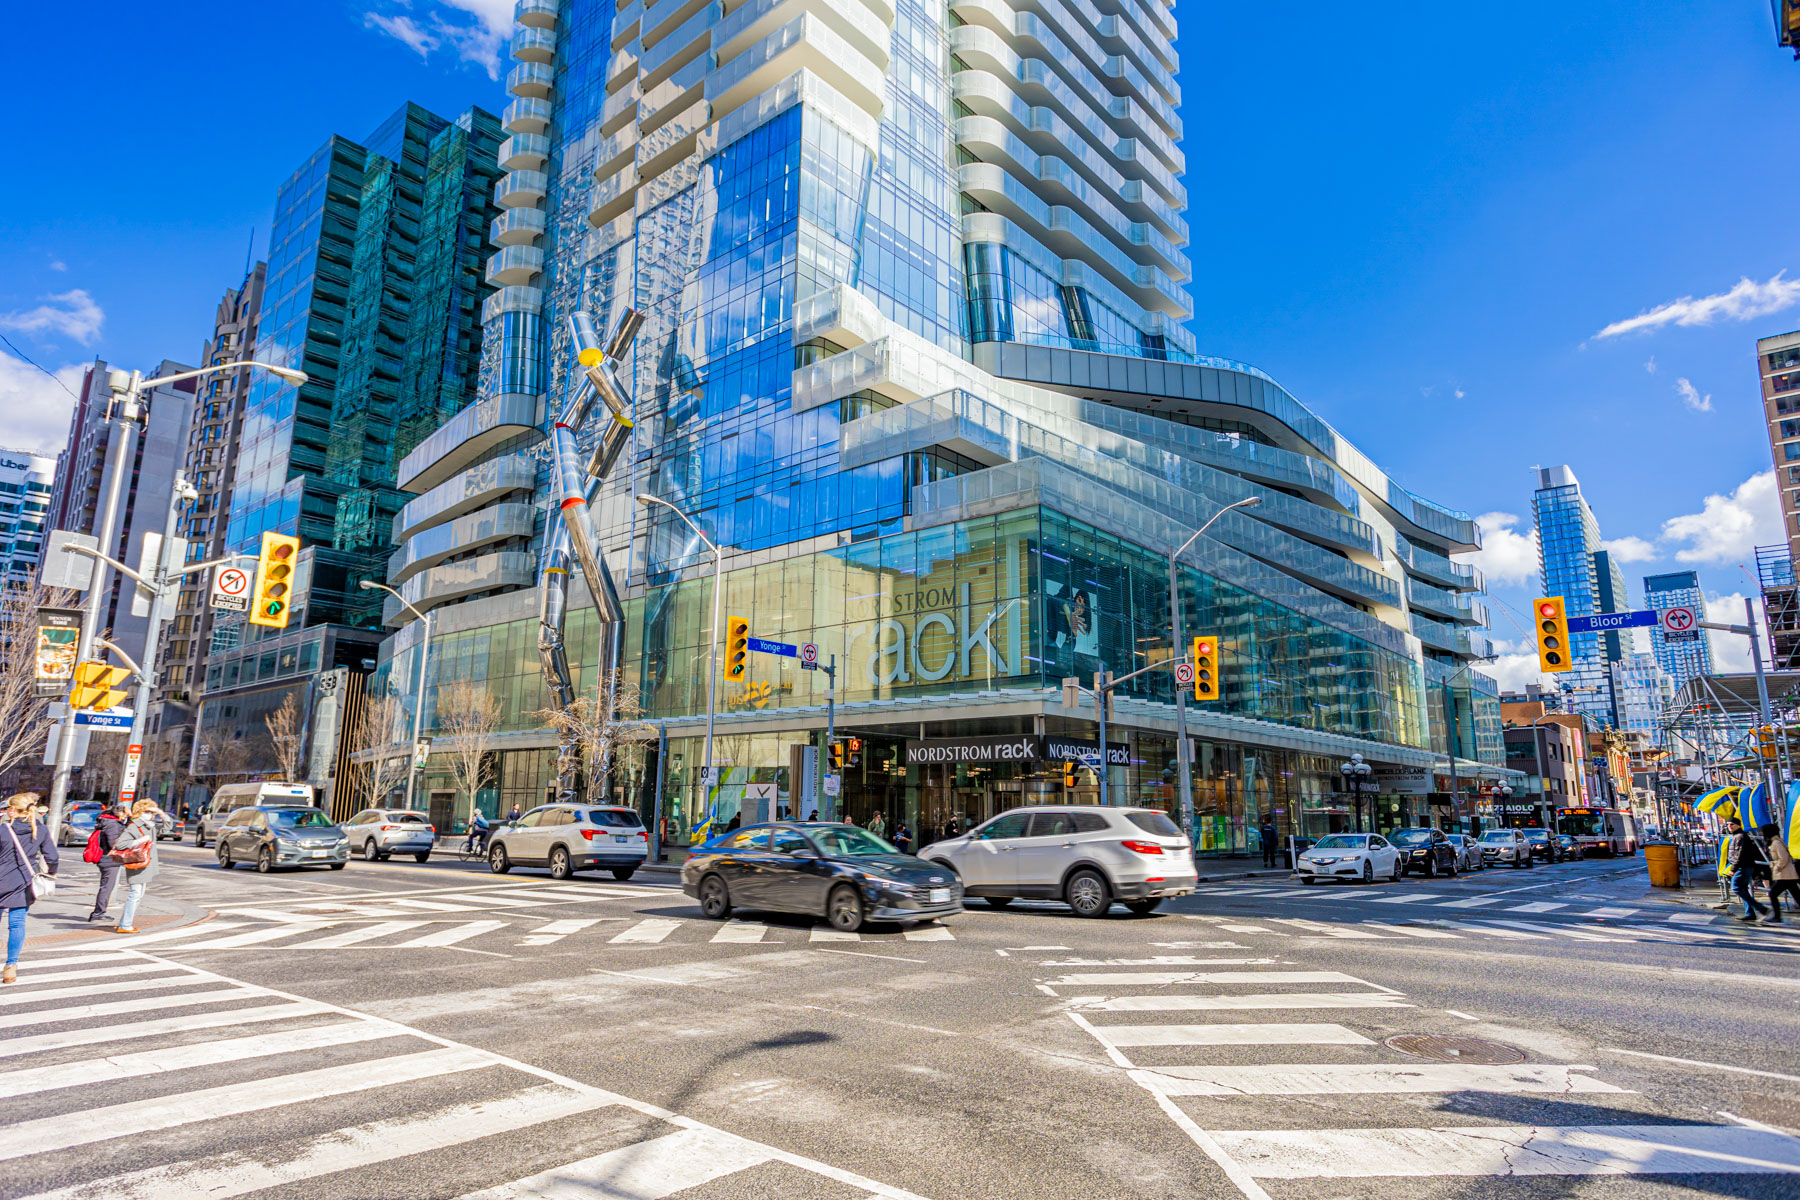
274	590
1552	634
94	684
737	647
855	752
1206	668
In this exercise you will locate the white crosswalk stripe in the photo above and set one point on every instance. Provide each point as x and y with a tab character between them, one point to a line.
741	932
824	933
355	937
556	931
265	1058
1349	1079
455	934
650	931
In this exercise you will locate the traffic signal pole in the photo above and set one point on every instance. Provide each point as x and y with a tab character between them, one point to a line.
160	576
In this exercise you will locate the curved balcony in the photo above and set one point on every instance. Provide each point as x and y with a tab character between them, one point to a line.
514	265
534	45
523	298
524	152
526	116
453	581
521	189
482	527
539	14
465	438
517	227
531	79
466	492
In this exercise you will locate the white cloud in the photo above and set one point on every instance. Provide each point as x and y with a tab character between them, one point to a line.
1731	651
59	265
1728	528
1746	301
1651	365
34	411
1459	395
71	314
1506	555
474	29
1690	396
1630	549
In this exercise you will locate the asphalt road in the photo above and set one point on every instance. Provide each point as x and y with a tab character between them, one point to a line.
406	1030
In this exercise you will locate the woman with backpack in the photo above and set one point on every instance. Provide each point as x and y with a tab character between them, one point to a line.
136	852
108	826
26	840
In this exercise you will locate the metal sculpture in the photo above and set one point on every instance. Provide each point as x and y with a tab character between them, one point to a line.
578	488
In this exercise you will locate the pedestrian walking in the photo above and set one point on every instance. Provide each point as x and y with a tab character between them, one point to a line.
1784	875
903	838
21	882
108	828
1748	859
136	852
1266	831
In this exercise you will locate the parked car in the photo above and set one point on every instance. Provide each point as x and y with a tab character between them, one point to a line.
379	832
1543	845
233	796
1468	852
78	823
1568	845
1350	857
1085	856
844	874
281	836
571	837
1427	851
1506	846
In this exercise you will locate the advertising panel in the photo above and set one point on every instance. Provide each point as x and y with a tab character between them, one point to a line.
58	633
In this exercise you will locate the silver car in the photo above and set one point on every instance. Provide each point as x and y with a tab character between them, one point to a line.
1505	846
1468	852
376	833
572	837
1083	855
274	837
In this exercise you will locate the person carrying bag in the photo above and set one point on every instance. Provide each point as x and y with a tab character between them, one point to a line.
136	852
26	840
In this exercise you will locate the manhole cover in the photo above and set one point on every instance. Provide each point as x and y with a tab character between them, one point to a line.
1455	1049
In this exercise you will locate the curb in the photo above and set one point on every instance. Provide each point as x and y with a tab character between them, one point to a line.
185	914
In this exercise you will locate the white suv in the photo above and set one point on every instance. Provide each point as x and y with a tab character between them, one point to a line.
1083	855
571	837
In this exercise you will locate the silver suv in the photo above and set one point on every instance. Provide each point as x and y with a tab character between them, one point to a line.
379	832
571	837
1085	856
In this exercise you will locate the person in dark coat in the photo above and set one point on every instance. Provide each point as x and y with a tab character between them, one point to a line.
111	825
26	840
1270	841
1748	860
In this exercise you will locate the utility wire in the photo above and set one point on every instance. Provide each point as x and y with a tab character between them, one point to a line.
25	358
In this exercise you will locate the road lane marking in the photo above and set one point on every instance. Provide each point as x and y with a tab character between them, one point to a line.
1415	931
1557	930
1351	1079
930	933
118	967
454	934
432	906
1693	918
647	1170
102	1034
1259	1000
187	978
1275	1034
647	932
1536	906
741	932
257	937
1402	899
1695	1062
1160	960
87	1012
1493	930
168	935
351	937
1252	929
1613	913
1165	978
1471	902
824	933
1334	931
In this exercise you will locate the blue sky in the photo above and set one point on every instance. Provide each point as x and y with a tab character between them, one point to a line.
1419	219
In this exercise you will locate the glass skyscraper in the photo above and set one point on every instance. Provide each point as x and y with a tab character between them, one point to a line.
1681	656
914	352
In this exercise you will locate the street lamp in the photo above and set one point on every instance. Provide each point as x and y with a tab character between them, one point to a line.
412	758
1357	774
712	673
1183	761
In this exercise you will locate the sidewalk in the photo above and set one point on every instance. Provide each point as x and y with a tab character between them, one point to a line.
61	920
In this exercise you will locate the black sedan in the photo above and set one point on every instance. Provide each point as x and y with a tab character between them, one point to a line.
1544	847
844	874
1426	851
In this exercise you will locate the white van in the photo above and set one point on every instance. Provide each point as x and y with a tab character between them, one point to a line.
234	796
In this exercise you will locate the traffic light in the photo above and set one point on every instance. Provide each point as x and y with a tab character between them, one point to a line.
94	683
837	756
273	602
1552	634
855	756
1068	774
1206	668
737	647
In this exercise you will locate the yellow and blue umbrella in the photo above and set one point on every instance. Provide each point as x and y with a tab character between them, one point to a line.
1755	809
1793	810
1721	802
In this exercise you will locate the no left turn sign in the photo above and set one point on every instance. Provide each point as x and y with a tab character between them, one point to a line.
1679	620
1184	673
231	589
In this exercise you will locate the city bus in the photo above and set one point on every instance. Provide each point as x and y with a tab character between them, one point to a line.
1600	830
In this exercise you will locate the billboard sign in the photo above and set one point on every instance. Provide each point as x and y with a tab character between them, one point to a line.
58	634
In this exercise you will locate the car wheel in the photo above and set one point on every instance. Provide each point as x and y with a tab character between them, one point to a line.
422	856
337	866
498	863
225	863
1431	868
1143	908
198	840
623	873
1308	880
559	864
715	899
1516	861
998	901
265	860
1451	869
1368	871
1087	893
370	853
1395	877
844	909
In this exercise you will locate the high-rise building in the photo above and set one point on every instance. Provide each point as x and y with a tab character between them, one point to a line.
1787	23
913	287
1778	362
1683	656
1568	543
1781	605
373	287
25	482
84	477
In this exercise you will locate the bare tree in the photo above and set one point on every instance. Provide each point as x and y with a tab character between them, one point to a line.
380	760
287	732
469	716
599	725
24	716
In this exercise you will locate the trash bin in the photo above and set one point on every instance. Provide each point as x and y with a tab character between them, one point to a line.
1665	868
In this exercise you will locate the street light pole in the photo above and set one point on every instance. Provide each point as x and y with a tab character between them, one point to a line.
160	578
1183	758
712	671
412	757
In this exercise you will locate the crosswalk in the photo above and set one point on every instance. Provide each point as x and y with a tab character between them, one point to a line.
130	1107
1301	1045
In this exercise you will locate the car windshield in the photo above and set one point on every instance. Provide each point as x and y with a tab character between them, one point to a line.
1497	835
1537	835
1410	837
847	841
299	818
612	818
1341	841
409	818
1154	823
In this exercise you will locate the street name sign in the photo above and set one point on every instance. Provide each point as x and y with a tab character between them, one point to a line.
1637	618
105	718
765	646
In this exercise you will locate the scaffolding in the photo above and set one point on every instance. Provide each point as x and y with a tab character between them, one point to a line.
1781	605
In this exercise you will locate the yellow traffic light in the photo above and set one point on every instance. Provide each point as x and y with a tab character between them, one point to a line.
837	756
94	682
737	647
273	598
1206	667
1552	634
1068	774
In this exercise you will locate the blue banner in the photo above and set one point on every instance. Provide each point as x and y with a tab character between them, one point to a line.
1618	620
